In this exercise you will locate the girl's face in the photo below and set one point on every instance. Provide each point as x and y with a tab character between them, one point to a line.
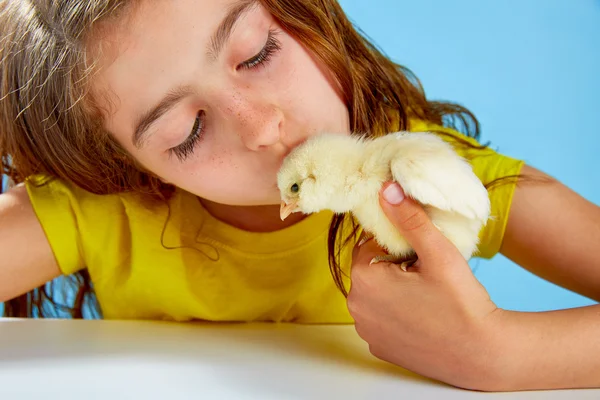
211	95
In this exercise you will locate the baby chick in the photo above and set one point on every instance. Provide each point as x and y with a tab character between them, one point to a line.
345	173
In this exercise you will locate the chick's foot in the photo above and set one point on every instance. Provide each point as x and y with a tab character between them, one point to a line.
403	262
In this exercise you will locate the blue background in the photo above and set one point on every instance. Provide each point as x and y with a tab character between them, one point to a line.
529	70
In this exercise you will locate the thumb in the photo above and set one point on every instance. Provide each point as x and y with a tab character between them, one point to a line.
415	226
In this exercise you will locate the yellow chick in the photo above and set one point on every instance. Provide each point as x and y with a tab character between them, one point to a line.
345	173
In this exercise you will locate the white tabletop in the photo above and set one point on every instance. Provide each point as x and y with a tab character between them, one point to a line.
52	359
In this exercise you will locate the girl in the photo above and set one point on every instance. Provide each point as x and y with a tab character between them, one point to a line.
145	136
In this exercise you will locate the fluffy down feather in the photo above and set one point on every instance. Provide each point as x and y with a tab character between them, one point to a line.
345	173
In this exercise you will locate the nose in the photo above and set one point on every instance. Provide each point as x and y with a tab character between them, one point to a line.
257	121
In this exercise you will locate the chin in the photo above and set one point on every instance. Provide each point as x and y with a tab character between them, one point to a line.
270	199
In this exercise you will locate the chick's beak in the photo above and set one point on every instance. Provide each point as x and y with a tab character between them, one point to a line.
286	209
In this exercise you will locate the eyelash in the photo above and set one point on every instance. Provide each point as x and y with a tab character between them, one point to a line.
185	149
272	46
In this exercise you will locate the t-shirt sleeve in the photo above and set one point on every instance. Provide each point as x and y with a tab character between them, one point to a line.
495	170
56	206
499	171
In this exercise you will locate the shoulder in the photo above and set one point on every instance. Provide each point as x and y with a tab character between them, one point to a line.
45	192
83	227
498	172
56	200
488	164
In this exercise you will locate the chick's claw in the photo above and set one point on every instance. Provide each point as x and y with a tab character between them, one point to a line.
388	258
404	263
366	236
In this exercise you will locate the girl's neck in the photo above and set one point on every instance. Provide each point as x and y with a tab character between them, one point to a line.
251	218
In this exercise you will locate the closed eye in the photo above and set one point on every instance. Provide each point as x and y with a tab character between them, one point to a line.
184	150
272	46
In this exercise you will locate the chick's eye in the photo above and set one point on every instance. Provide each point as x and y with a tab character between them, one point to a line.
295	188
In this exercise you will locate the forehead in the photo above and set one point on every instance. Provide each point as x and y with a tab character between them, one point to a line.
143	40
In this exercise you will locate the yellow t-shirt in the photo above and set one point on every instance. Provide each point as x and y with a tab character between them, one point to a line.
201	268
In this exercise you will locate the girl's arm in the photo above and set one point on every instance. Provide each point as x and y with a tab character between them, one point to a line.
555	233
437	319
26	259
547	350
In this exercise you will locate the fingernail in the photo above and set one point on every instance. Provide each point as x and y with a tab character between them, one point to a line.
393	194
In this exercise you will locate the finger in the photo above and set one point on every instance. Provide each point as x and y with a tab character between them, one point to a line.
414	224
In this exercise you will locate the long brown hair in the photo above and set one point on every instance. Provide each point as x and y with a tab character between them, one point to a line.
51	126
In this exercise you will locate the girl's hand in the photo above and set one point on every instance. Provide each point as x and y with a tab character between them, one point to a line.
436	319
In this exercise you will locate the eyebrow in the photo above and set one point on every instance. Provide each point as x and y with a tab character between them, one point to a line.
174	96
223	32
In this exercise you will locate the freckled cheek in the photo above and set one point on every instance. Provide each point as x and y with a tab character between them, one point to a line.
214	172
217	161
